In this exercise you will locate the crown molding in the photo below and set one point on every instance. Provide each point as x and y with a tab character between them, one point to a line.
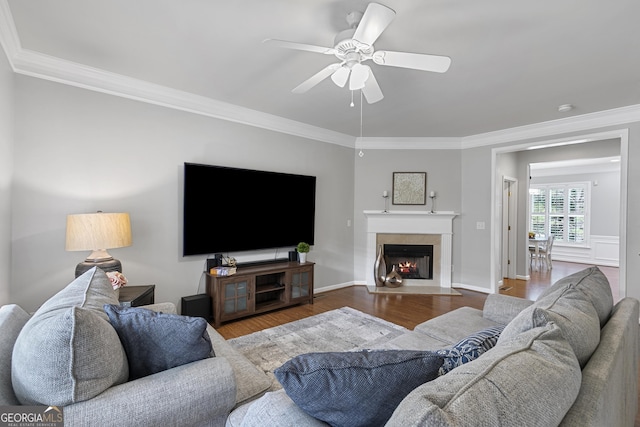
46	67
581	123
576	167
8	34
409	143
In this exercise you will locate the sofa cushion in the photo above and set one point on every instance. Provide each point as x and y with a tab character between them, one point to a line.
503	309
251	381
155	341
573	313
12	320
455	325
503	387
68	351
470	348
593	284
275	408
360	388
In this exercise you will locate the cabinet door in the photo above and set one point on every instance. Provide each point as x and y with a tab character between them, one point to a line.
235	297
301	284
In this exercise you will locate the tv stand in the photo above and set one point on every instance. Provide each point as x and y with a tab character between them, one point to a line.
259	288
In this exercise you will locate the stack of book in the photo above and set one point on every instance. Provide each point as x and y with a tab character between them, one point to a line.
223	271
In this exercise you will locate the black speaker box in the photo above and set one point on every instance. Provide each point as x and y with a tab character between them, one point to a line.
197	306
216	261
293	256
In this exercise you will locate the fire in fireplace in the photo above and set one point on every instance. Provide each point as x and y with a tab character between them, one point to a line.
411	261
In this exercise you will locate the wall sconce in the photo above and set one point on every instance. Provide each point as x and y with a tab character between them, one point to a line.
385	196
432	196
98	232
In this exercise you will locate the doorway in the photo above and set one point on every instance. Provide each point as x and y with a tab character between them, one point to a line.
509	226
621	136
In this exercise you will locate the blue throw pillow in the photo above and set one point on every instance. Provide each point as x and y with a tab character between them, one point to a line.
156	341
469	348
360	388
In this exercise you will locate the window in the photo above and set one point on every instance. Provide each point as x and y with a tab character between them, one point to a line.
561	210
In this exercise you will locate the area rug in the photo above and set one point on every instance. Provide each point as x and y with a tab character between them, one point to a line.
343	329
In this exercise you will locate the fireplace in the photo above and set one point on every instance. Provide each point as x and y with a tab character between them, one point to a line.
412	228
411	261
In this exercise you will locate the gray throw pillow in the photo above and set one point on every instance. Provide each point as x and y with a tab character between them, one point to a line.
469	348
574	314
359	388
593	284
155	342
529	380
68	352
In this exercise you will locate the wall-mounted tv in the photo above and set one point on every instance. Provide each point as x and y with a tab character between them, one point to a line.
231	209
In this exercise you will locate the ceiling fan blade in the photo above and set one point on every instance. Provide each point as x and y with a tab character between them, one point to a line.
341	76
300	46
316	78
371	89
359	75
416	61
374	21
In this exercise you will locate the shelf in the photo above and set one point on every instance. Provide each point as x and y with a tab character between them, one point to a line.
268	306
269	288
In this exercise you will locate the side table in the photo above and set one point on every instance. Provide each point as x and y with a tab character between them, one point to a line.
134	296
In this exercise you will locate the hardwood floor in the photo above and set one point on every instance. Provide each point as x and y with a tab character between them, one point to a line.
410	310
540	280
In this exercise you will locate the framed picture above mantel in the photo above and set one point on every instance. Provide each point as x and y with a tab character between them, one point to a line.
409	188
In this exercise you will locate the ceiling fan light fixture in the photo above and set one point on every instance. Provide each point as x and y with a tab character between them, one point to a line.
359	76
341	76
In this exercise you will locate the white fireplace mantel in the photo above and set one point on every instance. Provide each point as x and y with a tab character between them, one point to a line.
412	222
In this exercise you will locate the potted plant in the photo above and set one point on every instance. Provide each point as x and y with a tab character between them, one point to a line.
303	248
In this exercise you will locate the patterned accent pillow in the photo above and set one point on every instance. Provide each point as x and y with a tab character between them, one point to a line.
469	348
359	388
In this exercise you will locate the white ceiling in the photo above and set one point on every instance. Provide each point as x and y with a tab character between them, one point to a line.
513	62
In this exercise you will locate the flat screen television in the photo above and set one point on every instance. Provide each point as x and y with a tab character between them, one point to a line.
230	209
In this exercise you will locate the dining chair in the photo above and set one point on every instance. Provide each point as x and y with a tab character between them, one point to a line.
545	252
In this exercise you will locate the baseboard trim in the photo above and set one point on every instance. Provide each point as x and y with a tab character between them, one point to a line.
471	288
334	287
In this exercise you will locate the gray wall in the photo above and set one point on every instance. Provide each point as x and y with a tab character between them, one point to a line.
75	150
81	151
6	170
374	174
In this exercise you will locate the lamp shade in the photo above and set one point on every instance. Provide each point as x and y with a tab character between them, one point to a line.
98	232
88	232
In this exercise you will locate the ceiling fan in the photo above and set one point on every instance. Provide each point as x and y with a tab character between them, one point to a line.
354	46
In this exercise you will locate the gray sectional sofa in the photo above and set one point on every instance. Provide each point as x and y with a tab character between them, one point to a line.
570	359
68	354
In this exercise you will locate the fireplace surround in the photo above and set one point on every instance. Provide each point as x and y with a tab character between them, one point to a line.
413	228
